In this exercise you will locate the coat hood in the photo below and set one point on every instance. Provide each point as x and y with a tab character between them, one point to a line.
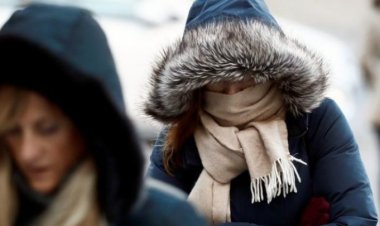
232	40
62	53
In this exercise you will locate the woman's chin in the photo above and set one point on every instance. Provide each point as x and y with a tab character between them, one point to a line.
44	187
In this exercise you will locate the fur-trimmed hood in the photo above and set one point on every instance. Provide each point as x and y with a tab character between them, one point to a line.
219	44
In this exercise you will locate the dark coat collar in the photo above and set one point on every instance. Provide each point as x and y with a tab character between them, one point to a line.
297	126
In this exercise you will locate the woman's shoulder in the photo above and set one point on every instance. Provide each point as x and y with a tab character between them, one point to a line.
326	118
327	105
328	127
325	114
299	125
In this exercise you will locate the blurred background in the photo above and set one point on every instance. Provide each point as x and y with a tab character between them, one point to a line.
337	29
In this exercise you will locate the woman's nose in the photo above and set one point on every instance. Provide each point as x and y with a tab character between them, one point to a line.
233	88
30	148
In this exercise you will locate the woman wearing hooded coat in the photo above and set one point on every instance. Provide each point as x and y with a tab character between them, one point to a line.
250	136
68	154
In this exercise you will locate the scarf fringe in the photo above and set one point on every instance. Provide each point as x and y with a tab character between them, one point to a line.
282	179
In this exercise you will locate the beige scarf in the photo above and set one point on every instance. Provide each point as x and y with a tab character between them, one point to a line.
239	132
75	205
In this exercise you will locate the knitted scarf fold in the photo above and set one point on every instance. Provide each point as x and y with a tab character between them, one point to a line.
239	132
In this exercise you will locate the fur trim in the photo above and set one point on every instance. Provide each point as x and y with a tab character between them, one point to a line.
232	51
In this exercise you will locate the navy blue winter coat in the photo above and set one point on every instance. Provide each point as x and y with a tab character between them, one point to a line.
231	40
335	171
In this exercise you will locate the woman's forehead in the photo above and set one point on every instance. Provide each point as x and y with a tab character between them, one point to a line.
37	107
231	83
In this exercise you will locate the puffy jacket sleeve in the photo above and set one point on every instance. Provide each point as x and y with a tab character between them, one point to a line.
337	168
160	207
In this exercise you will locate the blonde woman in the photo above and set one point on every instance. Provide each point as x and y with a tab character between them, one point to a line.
68	154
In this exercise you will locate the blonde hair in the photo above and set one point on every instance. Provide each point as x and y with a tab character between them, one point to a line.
75	204
10	107
7	194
